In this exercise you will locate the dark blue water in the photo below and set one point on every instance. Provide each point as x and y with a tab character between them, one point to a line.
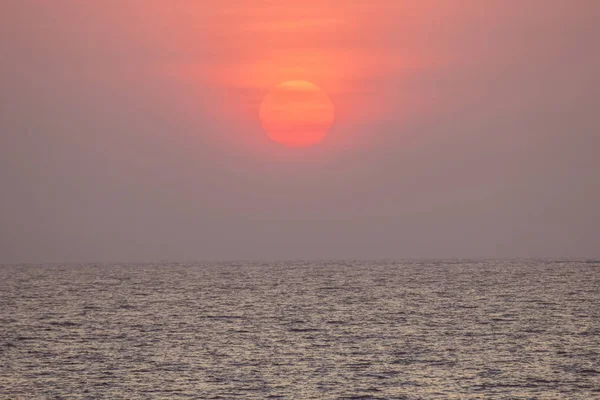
406	330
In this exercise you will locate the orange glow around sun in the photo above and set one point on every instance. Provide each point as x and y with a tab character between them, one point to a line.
236	53
297	114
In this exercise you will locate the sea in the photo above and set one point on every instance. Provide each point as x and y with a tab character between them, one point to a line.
460	329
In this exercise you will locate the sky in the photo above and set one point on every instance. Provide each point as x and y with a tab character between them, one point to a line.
129	130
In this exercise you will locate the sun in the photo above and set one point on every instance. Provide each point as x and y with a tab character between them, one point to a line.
297	114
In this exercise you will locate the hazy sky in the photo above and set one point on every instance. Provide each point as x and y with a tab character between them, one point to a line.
129	130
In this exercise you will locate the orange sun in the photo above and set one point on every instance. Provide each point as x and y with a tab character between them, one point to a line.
297	114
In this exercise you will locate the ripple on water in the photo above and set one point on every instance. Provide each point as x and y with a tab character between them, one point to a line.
410	330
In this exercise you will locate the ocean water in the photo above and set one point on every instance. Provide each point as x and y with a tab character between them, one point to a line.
395	330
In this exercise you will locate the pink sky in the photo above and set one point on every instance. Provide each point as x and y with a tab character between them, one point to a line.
463	128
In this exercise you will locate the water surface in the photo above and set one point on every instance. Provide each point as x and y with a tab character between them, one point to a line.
404	330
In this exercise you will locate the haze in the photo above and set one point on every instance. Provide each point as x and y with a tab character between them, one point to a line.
129	130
